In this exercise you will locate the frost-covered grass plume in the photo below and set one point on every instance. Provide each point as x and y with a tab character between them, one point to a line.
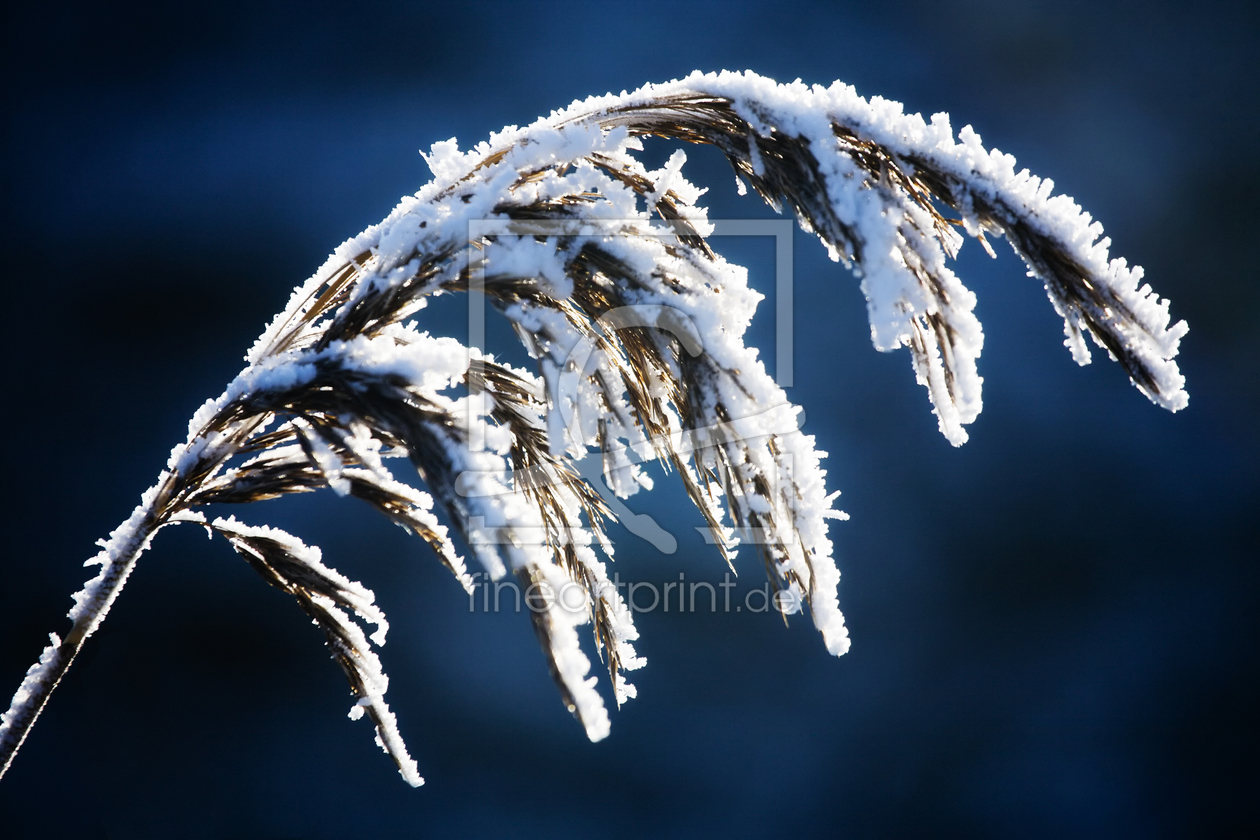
636	326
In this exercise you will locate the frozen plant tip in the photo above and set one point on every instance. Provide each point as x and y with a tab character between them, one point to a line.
637	326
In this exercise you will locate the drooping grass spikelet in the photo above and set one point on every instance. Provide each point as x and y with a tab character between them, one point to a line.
637	326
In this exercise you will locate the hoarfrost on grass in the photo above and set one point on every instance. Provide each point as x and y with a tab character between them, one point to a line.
637	329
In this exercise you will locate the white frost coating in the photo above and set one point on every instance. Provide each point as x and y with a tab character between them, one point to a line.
718	306
130	539
894	296
359	597
639	339
355	646
326	459
502	517
572	665
508	524
429	364
422	514
36	676
565	613
91	604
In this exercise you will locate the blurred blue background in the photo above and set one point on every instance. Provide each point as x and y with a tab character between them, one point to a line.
1055	626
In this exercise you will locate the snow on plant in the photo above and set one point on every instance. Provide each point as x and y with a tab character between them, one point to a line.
637	326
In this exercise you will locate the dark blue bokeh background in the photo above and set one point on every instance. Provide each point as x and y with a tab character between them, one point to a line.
1054	626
